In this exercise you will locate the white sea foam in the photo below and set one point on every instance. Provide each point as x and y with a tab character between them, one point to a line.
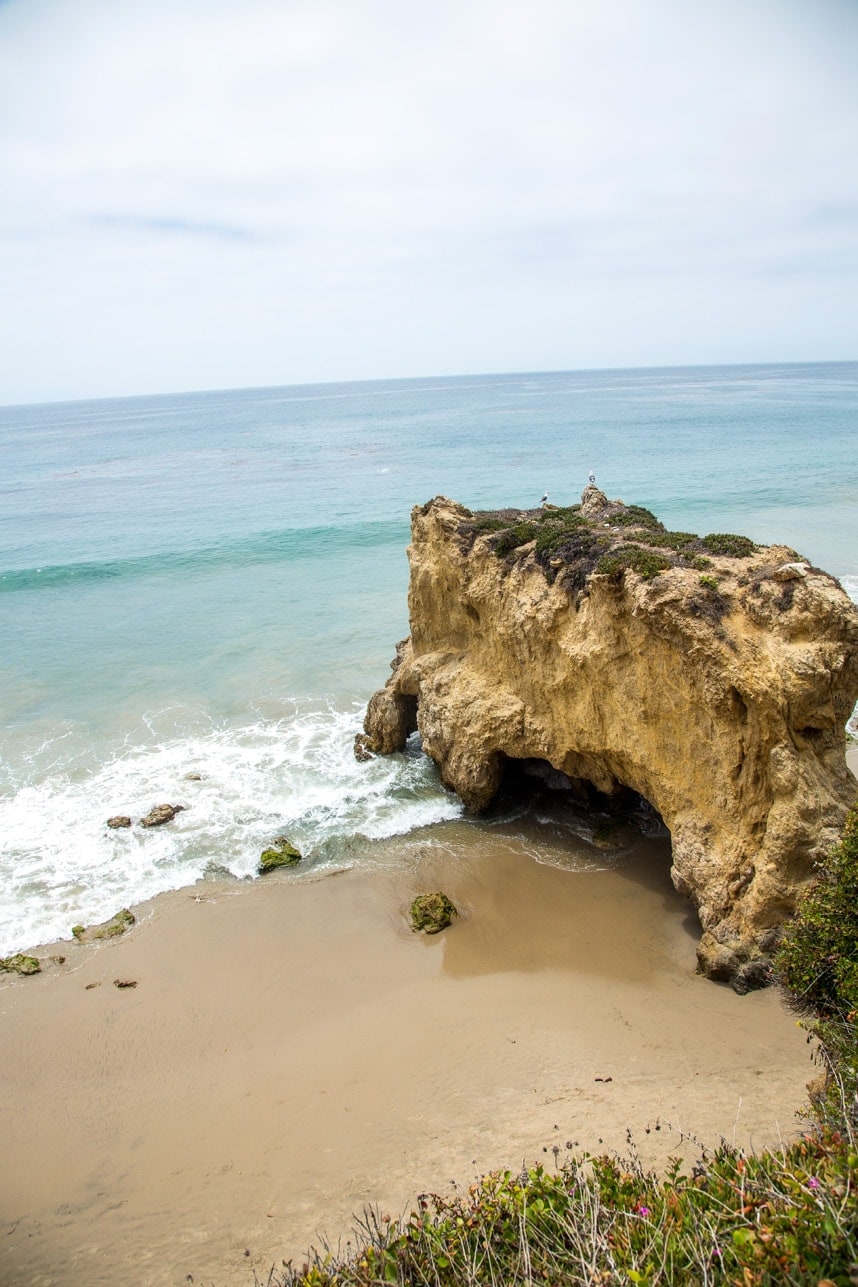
60	865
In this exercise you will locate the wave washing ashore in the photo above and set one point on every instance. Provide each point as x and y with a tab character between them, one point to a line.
208	584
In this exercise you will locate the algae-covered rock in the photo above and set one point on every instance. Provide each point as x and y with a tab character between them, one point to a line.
118	820
431	913
281	853
20	964
117	925
161	813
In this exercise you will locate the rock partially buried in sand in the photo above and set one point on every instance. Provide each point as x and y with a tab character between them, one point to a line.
160	814
431	913
125	983
118	820
282	853
20	964
117	925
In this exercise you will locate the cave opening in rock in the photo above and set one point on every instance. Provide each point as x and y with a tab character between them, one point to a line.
535	786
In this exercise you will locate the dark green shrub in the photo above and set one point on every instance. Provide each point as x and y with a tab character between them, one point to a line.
562	514
646	563
636	516
553	536
817	963
488	523
509	540
818	957
736	547
669	540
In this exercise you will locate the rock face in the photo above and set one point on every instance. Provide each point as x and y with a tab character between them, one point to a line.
159	814
712	677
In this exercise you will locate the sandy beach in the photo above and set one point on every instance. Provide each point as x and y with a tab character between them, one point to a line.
293	1052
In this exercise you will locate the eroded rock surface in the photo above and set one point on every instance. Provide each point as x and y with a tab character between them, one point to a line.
161	813
711	676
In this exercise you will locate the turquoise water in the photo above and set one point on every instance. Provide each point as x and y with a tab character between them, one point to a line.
214	583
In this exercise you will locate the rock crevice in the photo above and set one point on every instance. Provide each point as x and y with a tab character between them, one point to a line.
714	684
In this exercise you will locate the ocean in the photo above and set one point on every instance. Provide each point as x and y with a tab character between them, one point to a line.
213	583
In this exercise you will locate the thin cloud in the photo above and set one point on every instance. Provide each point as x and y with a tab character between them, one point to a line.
208	192
164	225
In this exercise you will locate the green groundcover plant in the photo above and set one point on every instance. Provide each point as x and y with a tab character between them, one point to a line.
786	1216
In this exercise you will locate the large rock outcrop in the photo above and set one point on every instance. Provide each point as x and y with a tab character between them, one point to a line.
711	676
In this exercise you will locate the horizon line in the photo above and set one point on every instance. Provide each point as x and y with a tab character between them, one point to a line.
413	379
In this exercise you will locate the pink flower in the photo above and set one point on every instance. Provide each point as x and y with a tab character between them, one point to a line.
813	1183
643	1211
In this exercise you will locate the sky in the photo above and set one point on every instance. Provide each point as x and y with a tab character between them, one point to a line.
232	193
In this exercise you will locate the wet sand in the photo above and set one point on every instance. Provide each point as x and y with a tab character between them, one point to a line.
293	1052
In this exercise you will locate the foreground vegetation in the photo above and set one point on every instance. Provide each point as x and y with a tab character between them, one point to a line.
784	1217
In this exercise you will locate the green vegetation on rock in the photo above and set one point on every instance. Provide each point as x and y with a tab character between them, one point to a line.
636	516
569	545
113	928
282	853
431	913
678	541
727	543
20	963
489	523
555	534
513	537
646	563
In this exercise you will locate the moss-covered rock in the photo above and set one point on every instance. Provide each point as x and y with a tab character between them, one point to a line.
20	964
431	913
116	926
281	853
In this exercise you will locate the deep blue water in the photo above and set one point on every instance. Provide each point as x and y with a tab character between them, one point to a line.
214	582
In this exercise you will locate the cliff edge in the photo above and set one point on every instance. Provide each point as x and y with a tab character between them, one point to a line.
709	675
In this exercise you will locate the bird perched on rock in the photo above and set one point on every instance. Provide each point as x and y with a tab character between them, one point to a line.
544	500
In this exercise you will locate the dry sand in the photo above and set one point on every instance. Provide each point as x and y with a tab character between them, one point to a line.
293	1052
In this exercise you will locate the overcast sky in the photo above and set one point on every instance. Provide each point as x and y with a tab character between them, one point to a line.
220	193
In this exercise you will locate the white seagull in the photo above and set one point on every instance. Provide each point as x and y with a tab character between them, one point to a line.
544	499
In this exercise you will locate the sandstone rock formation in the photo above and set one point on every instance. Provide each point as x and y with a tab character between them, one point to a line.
161	813
710	676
